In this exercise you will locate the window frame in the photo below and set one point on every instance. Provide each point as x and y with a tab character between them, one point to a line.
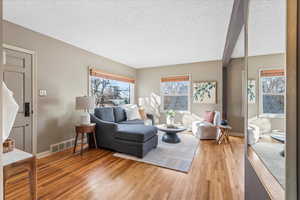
188	93
260	100
131	88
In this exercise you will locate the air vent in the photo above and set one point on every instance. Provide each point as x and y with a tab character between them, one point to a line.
64	145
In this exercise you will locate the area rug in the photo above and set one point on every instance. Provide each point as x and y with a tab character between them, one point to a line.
269	153
172	156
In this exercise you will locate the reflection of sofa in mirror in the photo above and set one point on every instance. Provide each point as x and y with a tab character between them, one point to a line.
257	127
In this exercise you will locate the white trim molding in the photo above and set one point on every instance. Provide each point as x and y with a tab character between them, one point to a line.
34	91
15	48
89	86
260	95
43	154
61	146
189	95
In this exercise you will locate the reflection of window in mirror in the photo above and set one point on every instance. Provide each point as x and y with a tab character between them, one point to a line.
271	93
266	118
266	88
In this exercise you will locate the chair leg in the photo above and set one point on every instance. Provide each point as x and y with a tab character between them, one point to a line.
81	151
222	137
32	177
227	136
75	144
4	184
94	135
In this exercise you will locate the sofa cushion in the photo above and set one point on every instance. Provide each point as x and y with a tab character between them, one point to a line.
132	111
120	114
132	122
105	114
209	116
142	113
136	133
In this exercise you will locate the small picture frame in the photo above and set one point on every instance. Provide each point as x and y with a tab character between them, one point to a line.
251	91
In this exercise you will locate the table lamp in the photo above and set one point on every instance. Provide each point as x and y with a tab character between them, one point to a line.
10	109
85	103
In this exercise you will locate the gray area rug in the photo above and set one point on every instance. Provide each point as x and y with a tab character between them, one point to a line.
269	153
172	156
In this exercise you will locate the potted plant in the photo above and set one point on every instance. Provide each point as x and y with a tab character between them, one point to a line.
170	117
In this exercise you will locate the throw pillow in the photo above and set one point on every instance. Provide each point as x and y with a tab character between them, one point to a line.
132	112
142	113
209	116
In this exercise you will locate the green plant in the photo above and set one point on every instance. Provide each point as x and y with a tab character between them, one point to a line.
251	91
170	113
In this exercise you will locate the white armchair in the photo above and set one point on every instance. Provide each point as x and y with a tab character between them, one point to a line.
258	126
207	130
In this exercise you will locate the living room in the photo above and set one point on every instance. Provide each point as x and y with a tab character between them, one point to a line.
113	98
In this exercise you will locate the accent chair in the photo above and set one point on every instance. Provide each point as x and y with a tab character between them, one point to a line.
207	130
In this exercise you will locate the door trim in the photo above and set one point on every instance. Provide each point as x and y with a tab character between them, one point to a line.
34	91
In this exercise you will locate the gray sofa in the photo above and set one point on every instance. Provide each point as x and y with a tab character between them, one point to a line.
115	132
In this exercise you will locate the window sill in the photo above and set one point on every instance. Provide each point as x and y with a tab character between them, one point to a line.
274	116
178	111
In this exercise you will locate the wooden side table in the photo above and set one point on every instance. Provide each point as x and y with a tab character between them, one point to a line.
82	129
224	136
18	161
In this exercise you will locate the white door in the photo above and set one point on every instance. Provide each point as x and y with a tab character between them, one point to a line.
18	78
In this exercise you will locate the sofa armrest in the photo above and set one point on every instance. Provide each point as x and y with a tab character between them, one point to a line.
151	117
203	123
104	125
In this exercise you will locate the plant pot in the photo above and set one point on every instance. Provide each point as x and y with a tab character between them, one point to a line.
170	120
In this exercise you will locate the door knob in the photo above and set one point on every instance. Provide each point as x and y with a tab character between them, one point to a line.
27	109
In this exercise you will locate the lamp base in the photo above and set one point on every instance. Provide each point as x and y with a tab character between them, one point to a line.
85	118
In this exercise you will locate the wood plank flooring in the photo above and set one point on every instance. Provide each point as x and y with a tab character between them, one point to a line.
272	186
217	173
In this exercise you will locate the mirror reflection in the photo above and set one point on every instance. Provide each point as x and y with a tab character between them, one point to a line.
267	84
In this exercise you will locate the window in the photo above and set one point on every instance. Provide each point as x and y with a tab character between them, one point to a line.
272	87
175	93
110	90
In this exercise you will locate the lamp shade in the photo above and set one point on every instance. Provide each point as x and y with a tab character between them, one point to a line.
85	103
10	109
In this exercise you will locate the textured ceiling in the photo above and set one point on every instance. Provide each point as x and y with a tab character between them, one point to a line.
143	33
139	33
266	29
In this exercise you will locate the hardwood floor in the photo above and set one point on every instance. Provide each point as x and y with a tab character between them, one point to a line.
216	173
272	186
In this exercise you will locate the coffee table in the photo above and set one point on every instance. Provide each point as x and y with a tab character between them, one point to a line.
170	135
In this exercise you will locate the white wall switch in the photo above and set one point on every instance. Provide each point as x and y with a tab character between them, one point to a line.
4	57
43	93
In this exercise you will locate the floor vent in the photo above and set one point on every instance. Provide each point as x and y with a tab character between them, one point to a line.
65	145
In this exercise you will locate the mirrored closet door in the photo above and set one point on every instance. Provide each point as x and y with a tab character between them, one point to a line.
266	90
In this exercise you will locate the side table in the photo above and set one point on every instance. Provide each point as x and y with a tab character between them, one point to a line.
224	135
84	129
18	161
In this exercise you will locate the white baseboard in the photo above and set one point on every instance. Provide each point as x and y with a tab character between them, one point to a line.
58	148
43	154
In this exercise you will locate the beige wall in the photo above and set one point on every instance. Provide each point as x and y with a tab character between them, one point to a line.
62	71
235	110
149	92
235	113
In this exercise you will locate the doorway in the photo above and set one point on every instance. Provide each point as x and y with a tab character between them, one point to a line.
18	76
